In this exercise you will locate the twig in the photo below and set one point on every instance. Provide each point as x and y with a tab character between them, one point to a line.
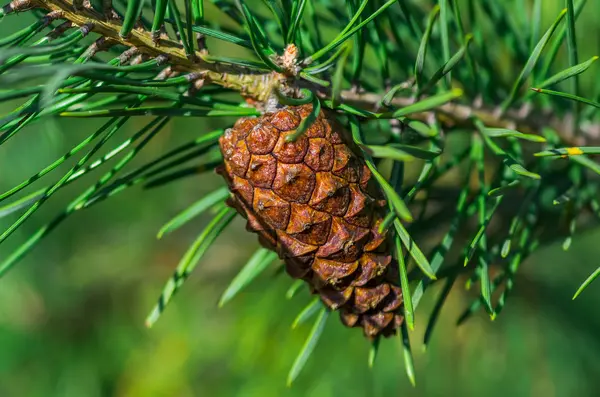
260	86
460	115
245	80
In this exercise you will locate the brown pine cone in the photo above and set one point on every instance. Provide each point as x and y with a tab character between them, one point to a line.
315	202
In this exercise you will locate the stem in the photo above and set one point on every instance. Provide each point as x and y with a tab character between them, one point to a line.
259	86
453	115
245	80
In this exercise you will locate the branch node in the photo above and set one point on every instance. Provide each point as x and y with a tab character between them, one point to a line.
51	17
86	28
191	77
102	44
156	38
138	59
161	59
166	73
17	6
60	30
127	55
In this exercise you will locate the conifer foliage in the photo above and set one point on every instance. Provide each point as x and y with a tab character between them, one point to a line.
350	116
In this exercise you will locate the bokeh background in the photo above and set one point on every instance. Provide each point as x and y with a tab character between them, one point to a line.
72	313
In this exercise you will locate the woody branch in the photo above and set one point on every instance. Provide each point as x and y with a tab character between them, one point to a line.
259	86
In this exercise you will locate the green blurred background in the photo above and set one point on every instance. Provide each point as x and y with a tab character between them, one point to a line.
72	313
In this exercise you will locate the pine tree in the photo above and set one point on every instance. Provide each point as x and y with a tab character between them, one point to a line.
398	93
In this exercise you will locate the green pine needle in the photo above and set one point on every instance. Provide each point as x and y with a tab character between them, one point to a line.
190	260
532	61
408	306
587	282
309	346
373	351
305	314
568	96
193	211
409	366
253	268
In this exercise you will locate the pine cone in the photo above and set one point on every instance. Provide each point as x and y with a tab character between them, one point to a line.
315	202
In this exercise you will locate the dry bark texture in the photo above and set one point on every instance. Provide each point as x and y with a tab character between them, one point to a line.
315	202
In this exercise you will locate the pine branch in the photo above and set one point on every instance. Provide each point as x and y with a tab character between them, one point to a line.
251	84
259	86
527	120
